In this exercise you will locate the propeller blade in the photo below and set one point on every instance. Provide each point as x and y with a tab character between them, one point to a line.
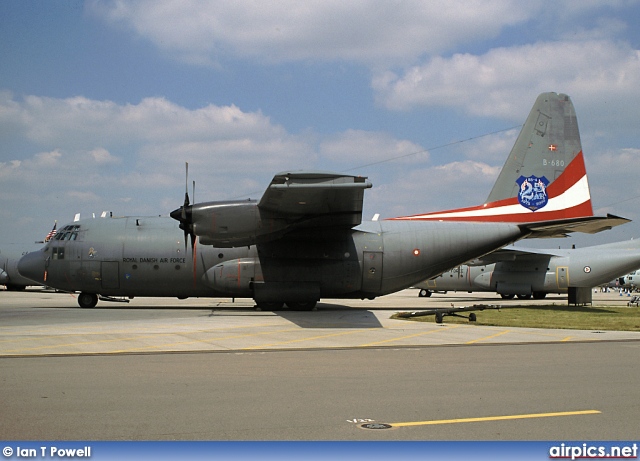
186	191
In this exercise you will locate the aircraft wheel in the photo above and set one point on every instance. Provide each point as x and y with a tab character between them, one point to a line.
306	306
539	295
472	317
87	300
424	293
275	306
439	317
507	296
524	296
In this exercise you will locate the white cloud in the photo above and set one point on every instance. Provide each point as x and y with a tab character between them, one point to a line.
359	30
355	148
102	156
420	190
82	155
495	84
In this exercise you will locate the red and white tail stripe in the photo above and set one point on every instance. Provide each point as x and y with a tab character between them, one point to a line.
568	195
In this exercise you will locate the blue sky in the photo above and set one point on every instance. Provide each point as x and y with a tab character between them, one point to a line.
101	103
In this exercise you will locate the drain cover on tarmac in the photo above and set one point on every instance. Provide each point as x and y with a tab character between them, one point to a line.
376	426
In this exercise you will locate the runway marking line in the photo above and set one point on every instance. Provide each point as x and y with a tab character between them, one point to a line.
500	333
133	338
451	327
495	418
207	341
307	339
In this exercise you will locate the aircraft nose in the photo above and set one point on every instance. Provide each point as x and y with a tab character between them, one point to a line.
32	266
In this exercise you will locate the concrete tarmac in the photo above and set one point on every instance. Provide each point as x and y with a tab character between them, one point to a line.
49	323
210	369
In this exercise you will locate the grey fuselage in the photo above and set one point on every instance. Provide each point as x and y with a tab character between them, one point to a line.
147	256
549	271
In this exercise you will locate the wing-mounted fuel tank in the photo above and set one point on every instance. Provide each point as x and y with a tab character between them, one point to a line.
243	278
293	200
234	277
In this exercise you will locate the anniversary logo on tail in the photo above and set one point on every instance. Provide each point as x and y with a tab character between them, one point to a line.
543	179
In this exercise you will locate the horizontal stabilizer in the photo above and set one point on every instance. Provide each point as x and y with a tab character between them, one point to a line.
588	225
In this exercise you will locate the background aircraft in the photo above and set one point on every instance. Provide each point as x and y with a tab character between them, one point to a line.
525	272
305	238
630	280
10	254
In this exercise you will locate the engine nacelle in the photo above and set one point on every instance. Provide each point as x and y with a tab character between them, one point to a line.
232	224
225	224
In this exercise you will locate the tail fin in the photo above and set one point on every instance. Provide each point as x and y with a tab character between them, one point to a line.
544	177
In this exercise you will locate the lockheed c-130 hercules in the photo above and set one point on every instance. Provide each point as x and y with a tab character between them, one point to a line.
526	272
305	240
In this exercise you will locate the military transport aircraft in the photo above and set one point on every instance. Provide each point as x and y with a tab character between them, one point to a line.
525	272
305	239
10	254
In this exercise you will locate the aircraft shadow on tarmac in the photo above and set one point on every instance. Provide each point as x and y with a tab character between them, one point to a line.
327	315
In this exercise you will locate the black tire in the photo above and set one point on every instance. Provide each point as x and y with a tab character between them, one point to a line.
472	317
87	300
524	296
439	317
507	296
424	293
539	295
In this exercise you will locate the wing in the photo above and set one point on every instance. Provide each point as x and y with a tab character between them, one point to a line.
513	254
315	198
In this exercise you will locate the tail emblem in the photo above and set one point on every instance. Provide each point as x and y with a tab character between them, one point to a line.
533	192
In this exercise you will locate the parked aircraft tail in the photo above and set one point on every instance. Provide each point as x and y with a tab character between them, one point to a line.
544	178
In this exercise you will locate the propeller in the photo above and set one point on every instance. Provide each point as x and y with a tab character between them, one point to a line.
183	214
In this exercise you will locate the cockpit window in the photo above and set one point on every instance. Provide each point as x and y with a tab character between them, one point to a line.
69	232
58	253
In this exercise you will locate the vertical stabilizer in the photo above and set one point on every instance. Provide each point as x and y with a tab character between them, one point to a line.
544	177
548	142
